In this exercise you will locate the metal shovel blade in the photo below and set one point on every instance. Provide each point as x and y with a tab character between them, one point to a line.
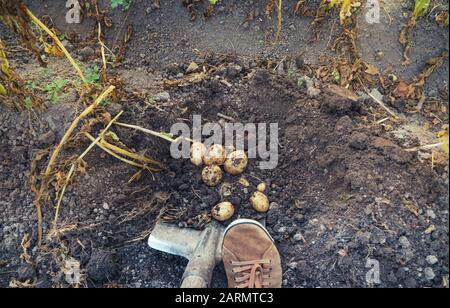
201	248
171	239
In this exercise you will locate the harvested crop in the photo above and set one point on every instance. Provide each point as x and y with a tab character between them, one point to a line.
260	202
198	151
215	155
223	211
261	187
212	175
236	163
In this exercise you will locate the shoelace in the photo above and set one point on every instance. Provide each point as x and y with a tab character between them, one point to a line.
251	274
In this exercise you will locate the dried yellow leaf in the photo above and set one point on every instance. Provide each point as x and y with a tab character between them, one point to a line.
3	90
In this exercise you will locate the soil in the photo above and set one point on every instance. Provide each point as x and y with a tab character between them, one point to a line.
345	190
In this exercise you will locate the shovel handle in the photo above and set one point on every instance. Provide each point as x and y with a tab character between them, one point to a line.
198	273
193	282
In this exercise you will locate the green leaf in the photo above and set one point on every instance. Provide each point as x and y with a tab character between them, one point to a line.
421	8
28	103
54	89
125	4
93	74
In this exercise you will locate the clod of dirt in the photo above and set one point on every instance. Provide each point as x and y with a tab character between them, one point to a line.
340	106
87	53
102	267
392	150
26	272
343	126
59	116
47	139
359	141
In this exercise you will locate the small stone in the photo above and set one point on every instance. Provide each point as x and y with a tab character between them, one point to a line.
274	206
429	273
102	267
299	62
311	89
299	218
430	214
379	55
192	68
404	242
359	141
162	97
377	95
298	237
113	108
105	206
47	139
234	70
292	265
432	260
280	69
26	272
87	52
282	230
183	187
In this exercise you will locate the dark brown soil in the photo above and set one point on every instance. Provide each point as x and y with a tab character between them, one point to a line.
345	190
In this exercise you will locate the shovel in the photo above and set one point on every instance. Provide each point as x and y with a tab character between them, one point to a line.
203	249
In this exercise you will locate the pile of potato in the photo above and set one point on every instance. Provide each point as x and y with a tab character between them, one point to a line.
234	163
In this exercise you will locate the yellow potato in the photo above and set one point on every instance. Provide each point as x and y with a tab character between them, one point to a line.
261	187
223	211
260	202
212	175
215	155
198	150
236	163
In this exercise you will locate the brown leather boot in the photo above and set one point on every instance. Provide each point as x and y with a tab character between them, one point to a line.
250	257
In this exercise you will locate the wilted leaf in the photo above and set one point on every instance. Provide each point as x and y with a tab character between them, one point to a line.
3	90
53	50
346	8
443	136
442	18
372	70
402	89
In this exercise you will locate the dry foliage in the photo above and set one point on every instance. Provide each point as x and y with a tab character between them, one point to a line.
15	16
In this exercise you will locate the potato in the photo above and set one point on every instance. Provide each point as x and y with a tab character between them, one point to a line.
236	163
212	175
198	151
215	155
223	211
260	202
261	187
